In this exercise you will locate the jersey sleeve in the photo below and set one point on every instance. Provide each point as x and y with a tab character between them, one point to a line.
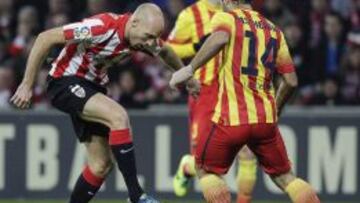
91	30
284	62
180	38
222	22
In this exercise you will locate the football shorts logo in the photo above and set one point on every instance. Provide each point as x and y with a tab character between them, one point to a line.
78	91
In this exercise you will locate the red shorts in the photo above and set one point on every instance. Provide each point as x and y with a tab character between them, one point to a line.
217	150
200	113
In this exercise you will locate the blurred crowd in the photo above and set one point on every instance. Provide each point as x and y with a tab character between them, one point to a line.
323	36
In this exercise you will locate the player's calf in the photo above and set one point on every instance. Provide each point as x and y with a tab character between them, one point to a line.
246	179
214	189
246	176
87	185
298	190
99	165
101	168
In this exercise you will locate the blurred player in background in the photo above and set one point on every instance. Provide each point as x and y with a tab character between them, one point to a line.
191	30
76	87
247	109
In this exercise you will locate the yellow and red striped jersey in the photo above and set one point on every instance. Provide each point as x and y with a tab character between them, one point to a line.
192	26
256	50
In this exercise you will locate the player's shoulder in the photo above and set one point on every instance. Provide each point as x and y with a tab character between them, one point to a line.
271	25
222	16
186	12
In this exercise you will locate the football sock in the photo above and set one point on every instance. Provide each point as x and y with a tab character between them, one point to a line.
123	150
300	191
215	189
86	187
246	179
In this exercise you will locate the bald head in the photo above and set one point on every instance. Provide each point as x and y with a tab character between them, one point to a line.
145	26
151	16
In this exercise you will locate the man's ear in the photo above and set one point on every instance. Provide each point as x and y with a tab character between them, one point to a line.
135	22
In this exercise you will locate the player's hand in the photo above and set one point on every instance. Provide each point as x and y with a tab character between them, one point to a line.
193	87
180	76
22	96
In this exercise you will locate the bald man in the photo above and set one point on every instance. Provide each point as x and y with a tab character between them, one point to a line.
76	86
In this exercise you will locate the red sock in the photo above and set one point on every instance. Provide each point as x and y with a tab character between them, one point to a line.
118	137
123	150
91	178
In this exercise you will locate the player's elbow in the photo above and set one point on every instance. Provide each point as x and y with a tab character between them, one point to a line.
43	36
221	38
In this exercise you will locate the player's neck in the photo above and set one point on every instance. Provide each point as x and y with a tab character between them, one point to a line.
214	2
246	6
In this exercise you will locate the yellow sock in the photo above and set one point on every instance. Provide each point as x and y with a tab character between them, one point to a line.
246	177
215	189
300	191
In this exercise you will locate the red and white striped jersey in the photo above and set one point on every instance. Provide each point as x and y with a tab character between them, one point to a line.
94	44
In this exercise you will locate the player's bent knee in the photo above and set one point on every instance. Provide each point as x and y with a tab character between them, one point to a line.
101	168
118	119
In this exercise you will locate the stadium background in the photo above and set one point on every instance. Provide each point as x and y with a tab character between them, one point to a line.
38	154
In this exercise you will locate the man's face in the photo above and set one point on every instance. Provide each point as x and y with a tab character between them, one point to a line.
225	4
333	27
144	37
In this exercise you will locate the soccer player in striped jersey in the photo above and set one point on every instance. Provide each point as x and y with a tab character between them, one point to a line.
247	107
76	87
191	30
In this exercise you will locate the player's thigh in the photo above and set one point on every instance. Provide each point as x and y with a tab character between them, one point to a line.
215	152
246	154
99	154
269	148
100	108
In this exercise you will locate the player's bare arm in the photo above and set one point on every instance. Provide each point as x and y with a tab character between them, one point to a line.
286	88
43	44
169	57
174	63
211	47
